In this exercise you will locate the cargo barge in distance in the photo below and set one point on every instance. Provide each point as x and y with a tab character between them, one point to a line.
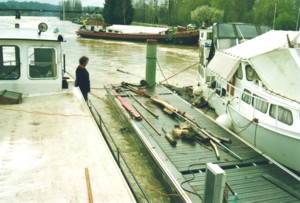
141	34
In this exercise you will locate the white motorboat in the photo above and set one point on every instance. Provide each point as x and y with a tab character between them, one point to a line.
50	145
253	87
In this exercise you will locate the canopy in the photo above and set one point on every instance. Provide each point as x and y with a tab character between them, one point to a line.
277	65
224	65
279	70
264	43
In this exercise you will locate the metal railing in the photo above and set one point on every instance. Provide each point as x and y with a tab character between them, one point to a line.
210	76
117	154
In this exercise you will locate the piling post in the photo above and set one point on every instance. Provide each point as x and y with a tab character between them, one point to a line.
151	62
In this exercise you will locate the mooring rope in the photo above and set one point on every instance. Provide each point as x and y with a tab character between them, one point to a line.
161	71
179	72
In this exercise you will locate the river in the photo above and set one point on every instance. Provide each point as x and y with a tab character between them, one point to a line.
106	58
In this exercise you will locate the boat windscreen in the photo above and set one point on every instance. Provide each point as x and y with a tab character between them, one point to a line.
264	29
238	30
246	31
226	31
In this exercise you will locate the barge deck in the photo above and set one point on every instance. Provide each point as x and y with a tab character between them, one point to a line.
52	151
253	178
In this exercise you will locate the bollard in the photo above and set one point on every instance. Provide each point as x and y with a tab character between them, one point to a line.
151	62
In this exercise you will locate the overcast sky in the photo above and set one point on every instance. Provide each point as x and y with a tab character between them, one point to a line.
98	3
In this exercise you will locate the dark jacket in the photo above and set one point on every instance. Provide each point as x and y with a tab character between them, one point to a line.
83	80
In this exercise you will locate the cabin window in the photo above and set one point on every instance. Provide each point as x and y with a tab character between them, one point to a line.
239	73
246	31
260	104
42	63
9	62
282	114
227	31
251	74
246	96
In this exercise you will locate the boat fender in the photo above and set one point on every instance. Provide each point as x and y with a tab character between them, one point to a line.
213	84
197	90
221	91
144	83
224	121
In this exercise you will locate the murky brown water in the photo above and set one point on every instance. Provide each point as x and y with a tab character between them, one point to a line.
106	58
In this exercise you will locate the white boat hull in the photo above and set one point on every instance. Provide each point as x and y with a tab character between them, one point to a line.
282	148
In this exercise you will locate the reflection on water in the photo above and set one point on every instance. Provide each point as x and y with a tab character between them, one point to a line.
106	57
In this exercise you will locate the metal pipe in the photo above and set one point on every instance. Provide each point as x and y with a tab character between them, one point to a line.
151	62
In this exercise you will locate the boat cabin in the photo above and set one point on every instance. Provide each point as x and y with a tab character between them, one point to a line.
205	37
31	60
226	35
255	84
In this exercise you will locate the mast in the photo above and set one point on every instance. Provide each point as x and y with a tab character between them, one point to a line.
274	16
297	24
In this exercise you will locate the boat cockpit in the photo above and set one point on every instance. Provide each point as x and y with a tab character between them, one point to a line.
31	60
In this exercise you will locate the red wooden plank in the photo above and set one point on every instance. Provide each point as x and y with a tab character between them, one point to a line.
127	106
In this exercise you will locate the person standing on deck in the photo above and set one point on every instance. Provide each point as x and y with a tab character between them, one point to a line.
82	77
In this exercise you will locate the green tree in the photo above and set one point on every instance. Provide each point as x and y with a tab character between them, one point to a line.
108	11
263	12
185	8
234	10
118	12
207	15
280	14
126	12
285	21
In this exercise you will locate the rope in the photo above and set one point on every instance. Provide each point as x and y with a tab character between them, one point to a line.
93	94
161	71
207	101
179	72
70	75
186	181
44	113
243	127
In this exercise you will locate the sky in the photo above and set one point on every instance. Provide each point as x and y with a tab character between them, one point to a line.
98	3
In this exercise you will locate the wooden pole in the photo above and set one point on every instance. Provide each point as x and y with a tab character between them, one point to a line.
88	184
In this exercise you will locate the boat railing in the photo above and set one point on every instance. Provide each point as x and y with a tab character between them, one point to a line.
240	95
117	154
229	195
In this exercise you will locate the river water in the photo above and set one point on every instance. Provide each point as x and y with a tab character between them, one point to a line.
106	59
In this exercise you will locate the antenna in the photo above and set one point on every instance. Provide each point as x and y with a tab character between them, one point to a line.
297	24
274	16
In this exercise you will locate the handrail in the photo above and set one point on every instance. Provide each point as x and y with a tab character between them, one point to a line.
117	156
267	90
221	82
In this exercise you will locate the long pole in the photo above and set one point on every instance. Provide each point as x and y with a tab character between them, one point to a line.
169	12
144	12
275	10
297	24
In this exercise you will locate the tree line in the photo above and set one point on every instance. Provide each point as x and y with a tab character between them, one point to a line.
279	14
67	9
